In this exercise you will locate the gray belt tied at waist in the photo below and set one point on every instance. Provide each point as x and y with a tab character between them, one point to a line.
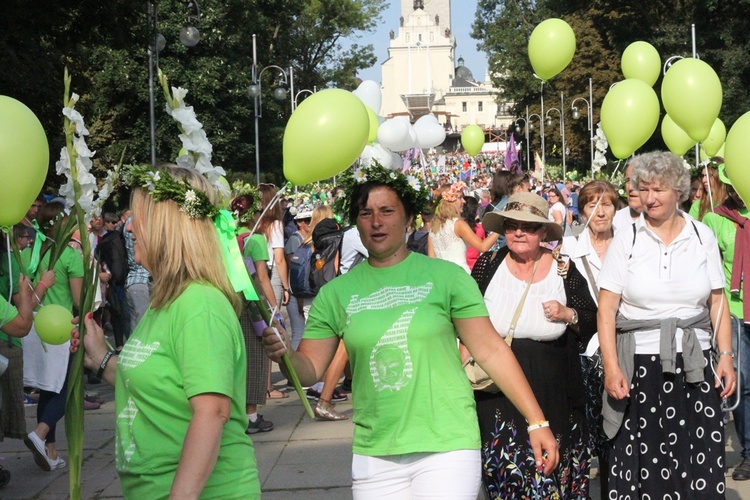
613	410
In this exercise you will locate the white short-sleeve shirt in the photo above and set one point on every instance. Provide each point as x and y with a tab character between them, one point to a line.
662	281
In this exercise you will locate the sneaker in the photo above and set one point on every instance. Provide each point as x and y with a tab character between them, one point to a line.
57	463
28	400
337	396
742	471
36	445
259	425
93	397
312	394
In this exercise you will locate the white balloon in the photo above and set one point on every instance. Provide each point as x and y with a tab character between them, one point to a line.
377	152
394	134
369	93
430	133
397	163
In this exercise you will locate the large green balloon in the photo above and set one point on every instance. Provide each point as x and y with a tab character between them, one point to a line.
630	114
325	135
551	47
715	140
472	139
691	93
704	156
674	137
24	159
52	324
642	62
737	156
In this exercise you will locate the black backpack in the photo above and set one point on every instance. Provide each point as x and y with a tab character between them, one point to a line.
417	242
327	237
299	272
308	270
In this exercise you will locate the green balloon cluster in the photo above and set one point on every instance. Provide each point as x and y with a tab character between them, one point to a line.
325	135
630	115
53	324
551	47
24	159
472	139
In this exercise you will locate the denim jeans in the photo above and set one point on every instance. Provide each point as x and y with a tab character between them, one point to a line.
742	412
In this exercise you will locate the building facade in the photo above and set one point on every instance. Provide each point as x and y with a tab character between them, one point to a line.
422	75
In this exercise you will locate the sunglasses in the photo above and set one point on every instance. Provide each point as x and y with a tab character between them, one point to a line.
525	227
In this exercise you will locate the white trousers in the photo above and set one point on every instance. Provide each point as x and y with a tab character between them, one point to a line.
451	475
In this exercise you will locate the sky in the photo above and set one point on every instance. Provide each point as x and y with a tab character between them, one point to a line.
462	15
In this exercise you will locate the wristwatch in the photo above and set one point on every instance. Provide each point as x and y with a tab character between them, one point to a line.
574	321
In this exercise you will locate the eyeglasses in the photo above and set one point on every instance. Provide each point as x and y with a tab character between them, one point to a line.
525	227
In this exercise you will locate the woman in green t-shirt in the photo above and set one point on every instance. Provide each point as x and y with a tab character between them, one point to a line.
399	315
180	378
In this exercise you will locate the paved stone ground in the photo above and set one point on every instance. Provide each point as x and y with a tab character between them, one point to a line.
299	457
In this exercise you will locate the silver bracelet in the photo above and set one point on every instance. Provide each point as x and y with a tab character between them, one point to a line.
727	353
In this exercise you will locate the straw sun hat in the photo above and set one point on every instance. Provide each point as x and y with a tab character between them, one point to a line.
524	207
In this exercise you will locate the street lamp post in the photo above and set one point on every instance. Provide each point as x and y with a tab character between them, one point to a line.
189	36
562	127
590	116
255	91
526	135
295	100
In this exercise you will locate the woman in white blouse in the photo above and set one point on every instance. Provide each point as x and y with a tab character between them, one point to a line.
661	298
544	315
596	203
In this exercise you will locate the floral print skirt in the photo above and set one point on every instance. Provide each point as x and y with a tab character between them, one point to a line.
553	370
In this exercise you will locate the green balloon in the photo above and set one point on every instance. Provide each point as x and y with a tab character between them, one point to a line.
737	156
642	62
472	139
704	156
715	140
674	137
53	324
551	47
374	124
691	93
630	114
325	135
24	159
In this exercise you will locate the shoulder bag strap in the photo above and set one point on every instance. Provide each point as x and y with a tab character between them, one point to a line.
590	275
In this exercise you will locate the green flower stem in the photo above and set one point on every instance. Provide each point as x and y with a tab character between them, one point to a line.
74	427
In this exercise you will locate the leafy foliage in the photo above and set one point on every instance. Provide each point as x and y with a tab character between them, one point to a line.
105	44
604	28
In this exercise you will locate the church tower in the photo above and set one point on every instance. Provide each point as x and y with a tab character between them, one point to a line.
420	64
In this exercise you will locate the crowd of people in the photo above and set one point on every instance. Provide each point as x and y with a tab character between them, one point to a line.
494	332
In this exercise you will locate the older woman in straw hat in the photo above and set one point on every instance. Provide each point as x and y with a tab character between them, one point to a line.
542	308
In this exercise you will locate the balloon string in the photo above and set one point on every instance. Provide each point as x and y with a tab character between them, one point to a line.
615	171
710	194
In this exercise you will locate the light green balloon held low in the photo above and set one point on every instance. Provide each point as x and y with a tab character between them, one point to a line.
641	61
737	156
691	93
552	46
52	324
715	140
24	159
630	114
674	137
372	136
472	139
325	135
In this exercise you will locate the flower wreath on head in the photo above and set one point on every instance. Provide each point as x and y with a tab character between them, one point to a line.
407	186
193	202
454	192
243	189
